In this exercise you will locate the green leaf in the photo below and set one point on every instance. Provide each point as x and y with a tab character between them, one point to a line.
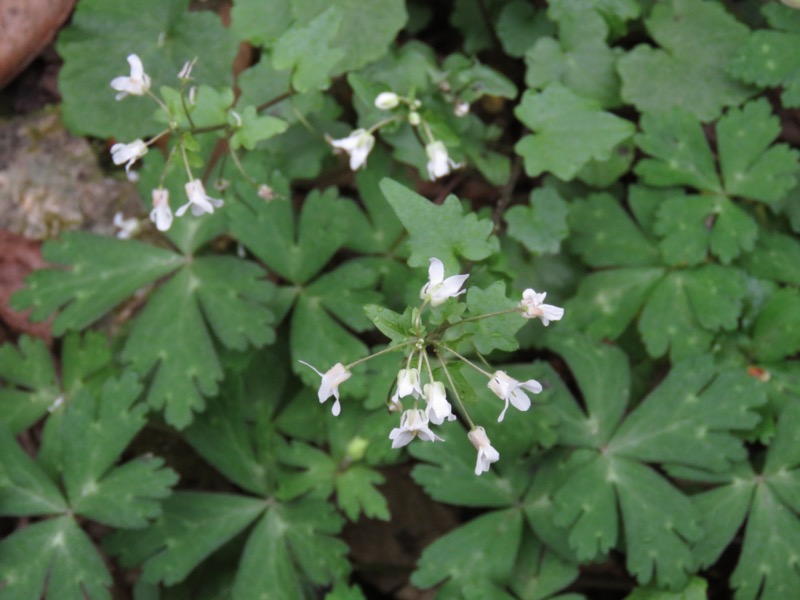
604	234
569	131
777	331
395	326
162	33
690	417
607	301
56	556
24	488
256	128
484	549
291	545
186	367
451	475
775	257
693	225
98	431
540	572
519	25
309	52
769	58
541	226
295	250
750	167
682	156
442	232
580	58
696	589
688	68
498	332
103	272
356	493
30	383
196	523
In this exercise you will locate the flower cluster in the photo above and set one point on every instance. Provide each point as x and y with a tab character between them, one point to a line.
360	142
138	84
416	382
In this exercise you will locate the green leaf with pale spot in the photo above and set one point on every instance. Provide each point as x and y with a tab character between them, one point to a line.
442	232
605	235
30	384
777	329
483	549
693	225
688	68
542	225
101	273
255	128
568	132
769	58
751	168
682	156
775	257
53	555
163	33
356	493
580	58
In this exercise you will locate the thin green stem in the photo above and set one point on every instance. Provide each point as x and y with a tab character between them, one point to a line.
384	351
462	409
428	366
466	360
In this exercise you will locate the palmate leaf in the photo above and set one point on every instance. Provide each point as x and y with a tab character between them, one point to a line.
102	273
580	58
497	332
164	34
539	572
569	132
777	329
688	68
444	232
612	484
223	293
541	226
30	383
55	555
769	58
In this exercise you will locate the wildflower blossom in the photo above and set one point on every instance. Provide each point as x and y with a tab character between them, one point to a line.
128	153
161	214
413	423
486	453
533	307
136	84
438	289
127	227
331	380
438	408
358	145
387	100
461	109
407	384
439	162
198	200
509	389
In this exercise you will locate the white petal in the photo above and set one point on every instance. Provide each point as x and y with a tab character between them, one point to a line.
451	285
436	271
520	400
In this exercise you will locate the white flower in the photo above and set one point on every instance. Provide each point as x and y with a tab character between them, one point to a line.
407	384
358	145
265	192
439	163
508	389
414	118
186	71
137	84
127	227
331	380
161	214
486	453
413	423
533	307
438	289
461	109
439	408
128	153
198	200
387	100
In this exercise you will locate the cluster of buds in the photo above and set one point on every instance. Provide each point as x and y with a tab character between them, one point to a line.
416	422
138	84
360	142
